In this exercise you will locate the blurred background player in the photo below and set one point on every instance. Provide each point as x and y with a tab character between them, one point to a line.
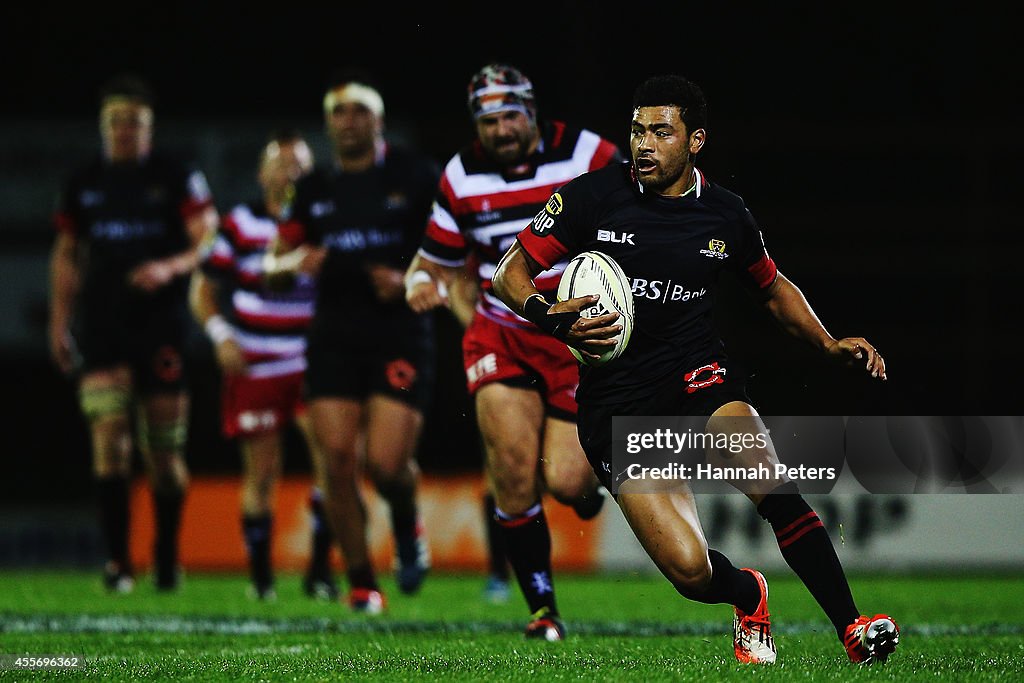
523	381
129	224
260	345
359	221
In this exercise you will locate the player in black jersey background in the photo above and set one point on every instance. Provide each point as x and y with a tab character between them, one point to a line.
129	224
355	224
673	232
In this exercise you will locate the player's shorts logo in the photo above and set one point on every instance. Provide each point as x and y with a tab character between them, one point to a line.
704	376
401	374
167	364
488	365
716	249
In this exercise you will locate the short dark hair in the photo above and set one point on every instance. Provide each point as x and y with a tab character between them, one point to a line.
674	90
284	136
349	74
130	86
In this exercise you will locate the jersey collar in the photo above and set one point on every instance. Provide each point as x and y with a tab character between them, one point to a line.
698	183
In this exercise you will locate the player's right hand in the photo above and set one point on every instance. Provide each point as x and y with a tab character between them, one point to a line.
230	357
590	335
424	296
151	275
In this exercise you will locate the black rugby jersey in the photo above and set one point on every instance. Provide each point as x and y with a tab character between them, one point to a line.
125	214
672	249
376	216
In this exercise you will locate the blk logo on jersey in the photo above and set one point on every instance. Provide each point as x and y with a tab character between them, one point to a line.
716	249
616	238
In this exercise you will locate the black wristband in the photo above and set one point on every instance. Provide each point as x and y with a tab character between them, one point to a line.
535	309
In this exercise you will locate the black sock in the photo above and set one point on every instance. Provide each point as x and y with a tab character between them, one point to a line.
402	502
167	505
114	517
362	577
257	529
320	559
729	585
497	557
528	541
808	550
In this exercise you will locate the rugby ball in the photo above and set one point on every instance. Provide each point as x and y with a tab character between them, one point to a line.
592	272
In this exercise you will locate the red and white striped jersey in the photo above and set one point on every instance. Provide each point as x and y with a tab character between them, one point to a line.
269	326
479	209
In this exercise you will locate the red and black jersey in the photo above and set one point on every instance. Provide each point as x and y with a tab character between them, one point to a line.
366	218
480	207
270	326
672	249
123	215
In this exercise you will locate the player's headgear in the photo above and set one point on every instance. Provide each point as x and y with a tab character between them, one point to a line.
355	86
355	93
500	87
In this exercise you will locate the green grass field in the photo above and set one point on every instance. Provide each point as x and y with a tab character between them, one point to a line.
621	627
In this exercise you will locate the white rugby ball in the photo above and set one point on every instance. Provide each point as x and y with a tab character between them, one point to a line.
592	272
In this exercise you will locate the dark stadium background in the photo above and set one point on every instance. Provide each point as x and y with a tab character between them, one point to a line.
878	148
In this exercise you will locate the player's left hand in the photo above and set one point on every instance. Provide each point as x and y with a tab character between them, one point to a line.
151	275
854	350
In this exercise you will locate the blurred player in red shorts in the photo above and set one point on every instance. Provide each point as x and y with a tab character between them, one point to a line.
523	381
260	346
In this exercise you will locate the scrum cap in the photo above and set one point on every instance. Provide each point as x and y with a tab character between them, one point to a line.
499	87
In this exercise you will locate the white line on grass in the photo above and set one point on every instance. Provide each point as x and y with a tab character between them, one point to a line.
254	626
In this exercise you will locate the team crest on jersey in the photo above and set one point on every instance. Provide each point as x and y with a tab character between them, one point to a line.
704	376
395	201
716	249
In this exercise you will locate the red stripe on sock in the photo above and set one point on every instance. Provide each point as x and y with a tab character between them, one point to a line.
795	537
516	521
800	520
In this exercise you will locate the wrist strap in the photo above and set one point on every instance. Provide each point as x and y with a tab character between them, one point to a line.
218	329
418	277
535	309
